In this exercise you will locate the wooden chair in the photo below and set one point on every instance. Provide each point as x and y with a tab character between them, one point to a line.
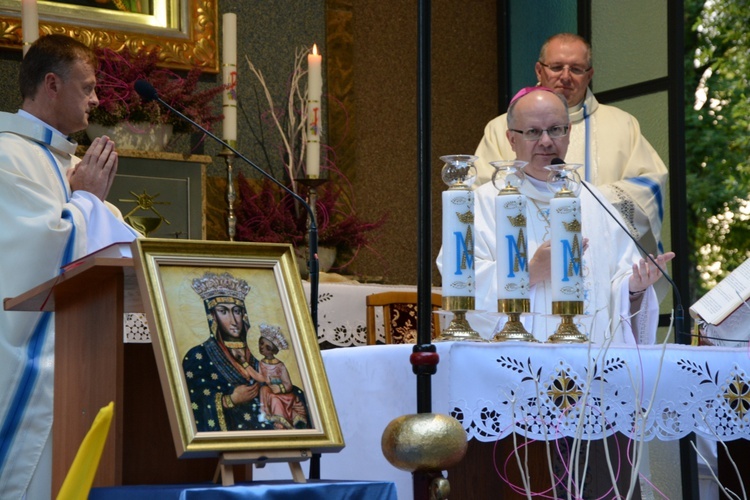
399	316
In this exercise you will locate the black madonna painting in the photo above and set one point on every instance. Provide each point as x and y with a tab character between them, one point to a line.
238	381
237	353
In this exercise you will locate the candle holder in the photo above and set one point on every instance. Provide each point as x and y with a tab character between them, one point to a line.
229	157
567	252
512	253
567	332
312	184
459	173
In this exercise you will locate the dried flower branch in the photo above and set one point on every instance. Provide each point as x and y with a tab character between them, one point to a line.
267	214
293	128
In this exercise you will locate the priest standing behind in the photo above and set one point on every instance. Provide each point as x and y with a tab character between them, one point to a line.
606	140
52	211
619	300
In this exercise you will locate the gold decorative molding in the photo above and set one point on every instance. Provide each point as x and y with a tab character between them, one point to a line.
185	30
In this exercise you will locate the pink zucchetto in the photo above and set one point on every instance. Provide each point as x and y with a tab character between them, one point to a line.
528	90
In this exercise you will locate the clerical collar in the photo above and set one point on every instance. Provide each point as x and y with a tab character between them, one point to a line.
576	108
33	128
540	185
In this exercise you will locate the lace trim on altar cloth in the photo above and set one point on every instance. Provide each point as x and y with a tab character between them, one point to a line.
547	395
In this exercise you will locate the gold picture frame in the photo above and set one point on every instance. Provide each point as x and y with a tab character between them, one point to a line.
197	291
184	30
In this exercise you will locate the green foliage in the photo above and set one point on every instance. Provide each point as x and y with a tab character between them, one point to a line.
717	137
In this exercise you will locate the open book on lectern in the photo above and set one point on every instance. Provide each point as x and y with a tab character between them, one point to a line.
724	308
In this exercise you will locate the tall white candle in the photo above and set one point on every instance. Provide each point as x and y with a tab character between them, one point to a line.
314	112
29	23
512	251
229	76
458	243
566	249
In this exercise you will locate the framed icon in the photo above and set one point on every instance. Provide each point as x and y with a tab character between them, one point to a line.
235	347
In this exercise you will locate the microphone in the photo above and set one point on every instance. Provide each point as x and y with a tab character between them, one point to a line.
148	93
679	315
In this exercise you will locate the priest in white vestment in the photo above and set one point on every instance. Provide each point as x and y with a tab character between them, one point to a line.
619	302
51	213
606	140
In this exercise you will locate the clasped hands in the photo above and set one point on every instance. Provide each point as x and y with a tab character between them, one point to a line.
96	171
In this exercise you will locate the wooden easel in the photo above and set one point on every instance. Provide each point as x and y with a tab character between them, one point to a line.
229	459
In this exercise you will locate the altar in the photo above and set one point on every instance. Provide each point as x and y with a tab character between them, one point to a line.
537	391
542	392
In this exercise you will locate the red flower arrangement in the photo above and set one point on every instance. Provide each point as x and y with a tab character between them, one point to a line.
118	100
266	213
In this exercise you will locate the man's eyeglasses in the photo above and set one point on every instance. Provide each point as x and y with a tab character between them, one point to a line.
559	68
534	134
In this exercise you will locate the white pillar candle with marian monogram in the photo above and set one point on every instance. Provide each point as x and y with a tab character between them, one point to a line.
566	247
459	284
511	249
458	242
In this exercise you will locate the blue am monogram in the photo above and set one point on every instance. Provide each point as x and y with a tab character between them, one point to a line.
464	251
571	258
517	254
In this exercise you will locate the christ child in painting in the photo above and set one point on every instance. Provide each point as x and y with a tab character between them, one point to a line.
280	400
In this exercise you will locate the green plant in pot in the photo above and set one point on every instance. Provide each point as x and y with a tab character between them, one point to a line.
122	111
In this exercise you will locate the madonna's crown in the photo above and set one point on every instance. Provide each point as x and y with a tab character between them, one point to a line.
212	285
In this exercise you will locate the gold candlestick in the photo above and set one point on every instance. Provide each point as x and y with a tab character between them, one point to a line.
312	184
567	332
231	197
513	329
459	328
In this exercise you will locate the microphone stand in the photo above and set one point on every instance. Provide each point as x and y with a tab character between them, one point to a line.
679	315
313	230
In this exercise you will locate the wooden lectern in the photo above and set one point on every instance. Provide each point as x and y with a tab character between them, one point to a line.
93	367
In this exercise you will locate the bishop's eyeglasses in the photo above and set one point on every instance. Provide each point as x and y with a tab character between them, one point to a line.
534	134
559	68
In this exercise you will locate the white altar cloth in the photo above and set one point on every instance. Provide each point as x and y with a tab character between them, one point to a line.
494	389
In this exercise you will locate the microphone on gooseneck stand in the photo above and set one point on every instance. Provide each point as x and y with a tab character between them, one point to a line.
149	93
679	314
